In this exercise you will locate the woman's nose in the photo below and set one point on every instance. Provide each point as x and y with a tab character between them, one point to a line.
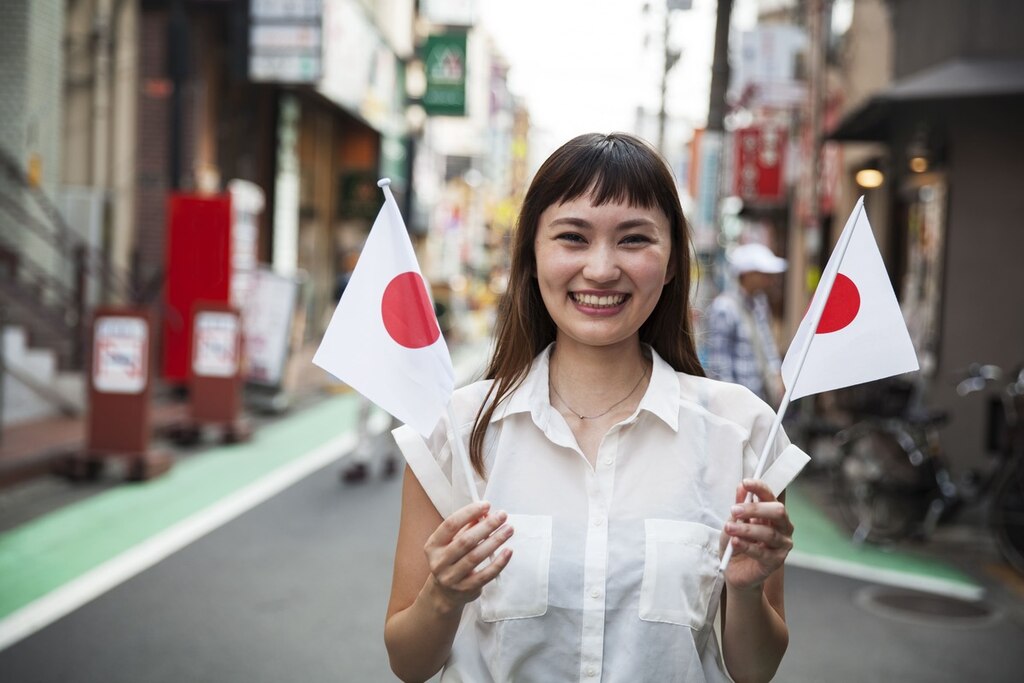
601	265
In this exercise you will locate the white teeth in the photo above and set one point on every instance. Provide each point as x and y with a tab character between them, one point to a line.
594	300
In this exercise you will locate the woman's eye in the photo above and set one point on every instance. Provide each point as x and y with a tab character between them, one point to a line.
636	239
573	237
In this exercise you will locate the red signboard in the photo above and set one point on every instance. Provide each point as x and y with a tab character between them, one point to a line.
198	269
760	155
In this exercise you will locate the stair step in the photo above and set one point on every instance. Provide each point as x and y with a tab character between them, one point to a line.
20	402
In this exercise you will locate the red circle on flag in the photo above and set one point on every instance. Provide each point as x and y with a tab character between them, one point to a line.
842	307
407	313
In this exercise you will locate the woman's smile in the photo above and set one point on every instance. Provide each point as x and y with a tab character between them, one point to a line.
605	302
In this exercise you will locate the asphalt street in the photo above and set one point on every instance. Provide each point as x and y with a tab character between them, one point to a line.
295	590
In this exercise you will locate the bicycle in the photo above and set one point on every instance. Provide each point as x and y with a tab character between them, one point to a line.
892	482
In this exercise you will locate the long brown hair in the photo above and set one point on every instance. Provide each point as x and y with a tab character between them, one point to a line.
618	168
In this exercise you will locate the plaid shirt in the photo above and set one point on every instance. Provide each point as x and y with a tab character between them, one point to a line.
730	349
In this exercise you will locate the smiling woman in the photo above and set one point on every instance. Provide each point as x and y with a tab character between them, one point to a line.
608	463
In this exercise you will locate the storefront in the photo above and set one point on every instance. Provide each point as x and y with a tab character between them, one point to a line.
952	167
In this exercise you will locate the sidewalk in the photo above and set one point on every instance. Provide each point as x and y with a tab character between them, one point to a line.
30	450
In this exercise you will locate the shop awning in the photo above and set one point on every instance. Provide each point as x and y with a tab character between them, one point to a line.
953	80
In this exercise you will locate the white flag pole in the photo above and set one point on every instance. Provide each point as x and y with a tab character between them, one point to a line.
825	286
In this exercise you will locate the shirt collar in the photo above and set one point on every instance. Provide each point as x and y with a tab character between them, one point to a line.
533	396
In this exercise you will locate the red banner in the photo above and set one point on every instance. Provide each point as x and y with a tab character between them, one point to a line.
760	154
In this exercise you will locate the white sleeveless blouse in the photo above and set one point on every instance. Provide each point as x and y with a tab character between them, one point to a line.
613	566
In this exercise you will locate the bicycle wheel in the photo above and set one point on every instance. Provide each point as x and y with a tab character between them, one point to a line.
1008	515
881	496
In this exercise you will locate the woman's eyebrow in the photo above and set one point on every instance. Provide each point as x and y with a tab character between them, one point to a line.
572	220
583	223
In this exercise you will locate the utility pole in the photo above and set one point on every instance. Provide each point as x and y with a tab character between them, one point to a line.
720	67
670	57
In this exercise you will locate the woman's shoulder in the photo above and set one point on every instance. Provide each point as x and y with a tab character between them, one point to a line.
727	400
467	399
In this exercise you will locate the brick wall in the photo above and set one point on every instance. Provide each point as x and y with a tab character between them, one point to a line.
154	139
153	155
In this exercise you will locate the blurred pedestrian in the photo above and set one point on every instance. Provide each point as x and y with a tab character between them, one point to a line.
622	468
740	344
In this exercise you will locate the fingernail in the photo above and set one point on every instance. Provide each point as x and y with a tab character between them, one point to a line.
749	482
737	510
729	526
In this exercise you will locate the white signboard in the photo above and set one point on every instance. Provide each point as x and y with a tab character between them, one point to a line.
268	326
215	344
120	355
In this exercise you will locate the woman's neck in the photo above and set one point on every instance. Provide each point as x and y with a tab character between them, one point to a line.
593	374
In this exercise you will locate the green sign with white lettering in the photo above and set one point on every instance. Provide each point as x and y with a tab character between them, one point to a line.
444	60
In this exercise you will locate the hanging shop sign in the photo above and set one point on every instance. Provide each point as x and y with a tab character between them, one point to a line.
285	41
360	68
449	12
758	169
444	59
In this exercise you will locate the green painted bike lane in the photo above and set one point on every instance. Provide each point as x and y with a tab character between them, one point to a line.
46	553
821	544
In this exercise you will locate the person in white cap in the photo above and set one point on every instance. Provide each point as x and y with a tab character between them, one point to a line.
740	344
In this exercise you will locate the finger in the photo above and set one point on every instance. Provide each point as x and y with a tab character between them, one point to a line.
487	547
444	534
449	561
741	494
771	512
479	579
758	533
759	489
472	534
771	558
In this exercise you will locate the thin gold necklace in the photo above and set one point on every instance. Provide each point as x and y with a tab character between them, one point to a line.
581	416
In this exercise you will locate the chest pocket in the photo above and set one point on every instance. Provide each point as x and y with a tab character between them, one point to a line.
521	590
680	569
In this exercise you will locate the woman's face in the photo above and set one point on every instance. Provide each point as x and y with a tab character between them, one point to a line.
601	269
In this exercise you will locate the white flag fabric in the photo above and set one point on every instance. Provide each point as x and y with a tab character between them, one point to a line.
384	340
861	335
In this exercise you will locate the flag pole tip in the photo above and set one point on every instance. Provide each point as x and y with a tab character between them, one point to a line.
383	182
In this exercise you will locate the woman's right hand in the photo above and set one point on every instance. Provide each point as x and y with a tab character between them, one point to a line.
455	550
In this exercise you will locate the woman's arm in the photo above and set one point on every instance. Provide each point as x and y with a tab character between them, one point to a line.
754	631
435	576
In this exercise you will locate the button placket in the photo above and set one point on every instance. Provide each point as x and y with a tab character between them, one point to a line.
599	490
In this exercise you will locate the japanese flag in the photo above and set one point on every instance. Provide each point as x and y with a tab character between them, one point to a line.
383	339
860	336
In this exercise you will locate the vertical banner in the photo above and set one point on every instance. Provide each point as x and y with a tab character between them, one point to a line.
758	174
444	60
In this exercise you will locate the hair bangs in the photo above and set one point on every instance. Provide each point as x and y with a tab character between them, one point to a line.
612	171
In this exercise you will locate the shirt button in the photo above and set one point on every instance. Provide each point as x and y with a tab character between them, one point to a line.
595	593
598	521
609	461
591	672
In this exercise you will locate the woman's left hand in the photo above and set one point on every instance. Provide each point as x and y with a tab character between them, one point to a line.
761	536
